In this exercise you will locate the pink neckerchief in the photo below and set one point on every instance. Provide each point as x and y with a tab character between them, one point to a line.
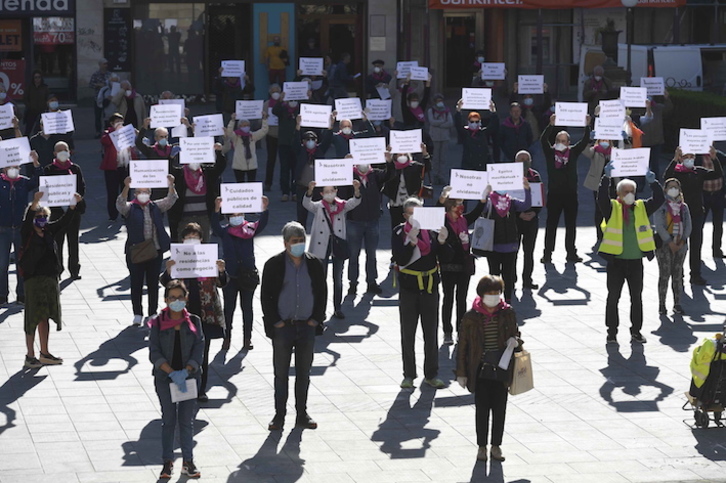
290	109
681	168
596	84
195	180
509	122
235	82
245	231
137	202
674	208
530	175
9	179
242	134
163	152
398	165
166	322
440	113
603	151
501	203
133	94
332	211
473	132
478	307
272	102
346	136
423	241
562	158
379	76
626	210
418	112
363	176
63	166
459	226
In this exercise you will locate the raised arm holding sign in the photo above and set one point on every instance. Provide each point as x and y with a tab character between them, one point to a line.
630	162
506	176
311	66
348	108
241	198
493	71
530	84
295	91
248	109
58	190
695	141
368	150
406	141
479	99
149	173
315	115
431	218
378	110
211	125
334	172
165	115
233	68
571	114
14	152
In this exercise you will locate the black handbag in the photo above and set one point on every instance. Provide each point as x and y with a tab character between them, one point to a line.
248	279
489	368
340	248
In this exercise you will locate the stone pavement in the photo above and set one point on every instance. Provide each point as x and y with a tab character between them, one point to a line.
597	414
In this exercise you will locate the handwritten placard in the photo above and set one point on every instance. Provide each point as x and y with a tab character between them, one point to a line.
420	73
607	131
165	115
7	113
311	66
571	114
633	96
368	150
404	68
296	91
348	108
211	125
467	184
653	85
233	68
334	172
174	101
716	126
530	84
248	109
194	261
123	138
378	109
430	218
612	113
493	71
241	198
476	98
58	190
59	122
315	115
406	141
506	176
149	173
14	152
196	150
630	162
695	141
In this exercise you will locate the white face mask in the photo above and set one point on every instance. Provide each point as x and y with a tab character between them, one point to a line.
402	159
629	199
63	156
689	163
118	125
491	300
192	241
143	197
598	78
293	104
275	95
364	168
673	192
560	147
12	173
414	104
194	166
346	130
129	92
236	220
329	197
377	70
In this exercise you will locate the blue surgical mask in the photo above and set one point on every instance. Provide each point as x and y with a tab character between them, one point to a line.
440	105
310	144
163	142
297	250
236	220
245	129
177	305
53	105
604	145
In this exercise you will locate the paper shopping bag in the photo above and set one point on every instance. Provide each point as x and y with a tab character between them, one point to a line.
522	380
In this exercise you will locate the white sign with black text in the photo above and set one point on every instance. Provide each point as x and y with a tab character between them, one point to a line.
430	218
165	115
149	173
295	91
506	176
493	71
695	141
58	190
476	98
315	115
348	108
14	152
368	150
654	85
334	172
530	84
197	150
716	126
194	261
59	122
633	96
404	68
378	109
233	68
311	66
630	162
211	125
571	114
248	109
241	198
406	141
468	184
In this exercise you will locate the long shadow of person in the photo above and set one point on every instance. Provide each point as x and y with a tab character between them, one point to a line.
14	388
562	284
407	423
285	466
710	444
146	451
10	311
123	285
128	341
495	474
220	374
675	333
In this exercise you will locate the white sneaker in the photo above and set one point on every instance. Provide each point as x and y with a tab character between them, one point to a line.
137	320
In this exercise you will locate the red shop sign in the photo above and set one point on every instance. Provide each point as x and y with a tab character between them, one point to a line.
54	38
12	75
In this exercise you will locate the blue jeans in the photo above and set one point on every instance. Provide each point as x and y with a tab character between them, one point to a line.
359	234
10	237
298	335
171	413
230	291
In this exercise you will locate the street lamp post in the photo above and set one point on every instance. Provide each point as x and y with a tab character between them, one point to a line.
629	4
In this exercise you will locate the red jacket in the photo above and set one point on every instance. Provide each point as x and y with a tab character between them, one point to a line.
108	162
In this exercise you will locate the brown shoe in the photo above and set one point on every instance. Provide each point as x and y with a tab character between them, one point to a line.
225	344
481	455
497	453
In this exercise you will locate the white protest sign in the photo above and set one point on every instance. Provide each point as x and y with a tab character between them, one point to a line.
378	109
233	68
536	191
7	113
633	96
716	126
493	71
406	141
295	91
123	138
420	73
241	197
248	109
506	176
115	88
58	190
311	66
468	184
606	131
149	173
14	152
272	120
654	85
211	125
695	141
404	68
180	131
476	98
165	115
196	150
384	92
334	172
530	84
430	218
315	115
630	162
348	108
368	150
572	114
194	261
174	101
59	122
611	113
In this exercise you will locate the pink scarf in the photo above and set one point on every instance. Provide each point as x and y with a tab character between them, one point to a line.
501	203
398	165
346	136
137	202
473	132
562	158
418	112
165	321
509	122
133	94
424	240
163	152
363	176
479	307
245	231
675	207
603	151
626	210
680	168
8	179
63	166
332	211
195	180
460	226
440	113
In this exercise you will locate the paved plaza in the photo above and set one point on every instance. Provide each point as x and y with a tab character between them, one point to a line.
597	414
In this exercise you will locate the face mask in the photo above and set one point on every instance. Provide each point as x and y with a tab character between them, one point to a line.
3	95
440	105
178	305
528	102
480	59
297	250
491	300
459	210
560	147
163	142
402	159
598	78
63	156
192	241
364	168
689	163
245	129
329	197
604	145
377	123
129	92
13	173
275	95
143	197
414	104
53	105
40	221
293	104
346	130
377	70
118	125
673	192
474	126
236	220
310	143
194	166
629	199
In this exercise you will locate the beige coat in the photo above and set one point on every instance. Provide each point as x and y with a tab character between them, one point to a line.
119	100
241	163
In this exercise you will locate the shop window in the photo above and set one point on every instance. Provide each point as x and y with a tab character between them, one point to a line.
54	53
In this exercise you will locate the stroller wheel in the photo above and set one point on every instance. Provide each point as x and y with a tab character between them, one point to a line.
701	418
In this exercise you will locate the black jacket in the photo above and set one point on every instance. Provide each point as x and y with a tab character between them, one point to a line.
51	170
563	180
461	260
692	183
213	175
273	276
370	203
36	247
412	175
477	153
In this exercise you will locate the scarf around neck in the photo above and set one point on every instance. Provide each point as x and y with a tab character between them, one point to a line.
165	322
423	240
246	138
674	208
63	166
399	166
681	168
603	151
418	112
337	207
501	203
162	151
245	231
479	307
9	179
562	158
195	180
459	227
626	210
363	176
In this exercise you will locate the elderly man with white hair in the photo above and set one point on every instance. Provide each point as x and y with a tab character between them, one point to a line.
627	238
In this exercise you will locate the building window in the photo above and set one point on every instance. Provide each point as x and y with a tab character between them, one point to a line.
54	53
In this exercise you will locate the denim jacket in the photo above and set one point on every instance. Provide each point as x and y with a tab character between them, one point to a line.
161	347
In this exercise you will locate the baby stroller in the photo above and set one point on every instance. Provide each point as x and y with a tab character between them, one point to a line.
708	383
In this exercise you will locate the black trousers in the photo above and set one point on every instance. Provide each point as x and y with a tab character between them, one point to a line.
396	216
696	242
620	271
70	233
490	397
114	185
205	366
713	201
271	158
527	239
412	306
557	203
245	176
454	282
504	265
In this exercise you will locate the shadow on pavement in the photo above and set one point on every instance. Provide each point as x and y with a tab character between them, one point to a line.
121	286
9	311
14	388
285	466
146	451
128	341
494	475
562	284
220	375
711	443
675	333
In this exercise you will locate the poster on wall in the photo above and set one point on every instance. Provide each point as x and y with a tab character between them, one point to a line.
12	76
117	38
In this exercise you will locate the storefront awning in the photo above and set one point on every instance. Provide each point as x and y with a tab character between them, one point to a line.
550	4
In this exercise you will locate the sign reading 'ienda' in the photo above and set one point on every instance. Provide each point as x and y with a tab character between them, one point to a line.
29	8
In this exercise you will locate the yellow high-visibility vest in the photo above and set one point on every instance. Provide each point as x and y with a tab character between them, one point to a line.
703	355
612	239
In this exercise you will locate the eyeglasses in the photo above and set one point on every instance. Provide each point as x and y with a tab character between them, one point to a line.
174	299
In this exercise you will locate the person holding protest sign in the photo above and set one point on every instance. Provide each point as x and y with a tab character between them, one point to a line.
378	79
130	104
229	90
176	348
599	154
515	133
440	123
651	123
307	149
597	87
271	139
40	266
162	148
713	201
62	165
528	224
480	144
534	107
341	138
202	300
146	243
413	109
287	113
404	179
329	222
244	141
36	93
14	130
115	165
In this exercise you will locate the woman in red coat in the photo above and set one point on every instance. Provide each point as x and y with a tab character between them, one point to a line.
115	165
